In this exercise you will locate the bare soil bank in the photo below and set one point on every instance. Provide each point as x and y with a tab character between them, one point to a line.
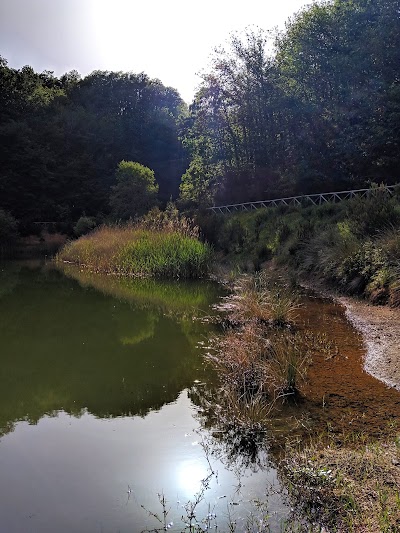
380	327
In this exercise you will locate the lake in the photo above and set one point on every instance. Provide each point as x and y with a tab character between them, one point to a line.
99	418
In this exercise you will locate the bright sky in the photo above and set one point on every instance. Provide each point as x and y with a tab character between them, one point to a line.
168	39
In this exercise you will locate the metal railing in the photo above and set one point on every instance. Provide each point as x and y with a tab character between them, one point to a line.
305	199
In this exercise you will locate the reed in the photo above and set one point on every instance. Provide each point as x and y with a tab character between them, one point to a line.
262	298
133	250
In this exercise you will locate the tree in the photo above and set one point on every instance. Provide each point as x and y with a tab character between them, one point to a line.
135	192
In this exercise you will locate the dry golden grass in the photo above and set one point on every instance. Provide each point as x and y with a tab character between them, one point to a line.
257	297
346	489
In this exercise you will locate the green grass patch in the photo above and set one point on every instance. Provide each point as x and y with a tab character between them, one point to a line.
139	251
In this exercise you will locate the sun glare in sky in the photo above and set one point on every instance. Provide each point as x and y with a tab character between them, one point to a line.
170	40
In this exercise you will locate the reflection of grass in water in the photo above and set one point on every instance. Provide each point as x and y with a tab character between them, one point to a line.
146	331
180	300
166	296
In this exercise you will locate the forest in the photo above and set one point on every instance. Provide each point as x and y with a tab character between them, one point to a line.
311	109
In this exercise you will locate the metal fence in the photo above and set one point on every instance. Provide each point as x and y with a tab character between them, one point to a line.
305	199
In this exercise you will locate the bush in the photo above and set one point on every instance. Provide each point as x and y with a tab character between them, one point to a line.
369	216
84	225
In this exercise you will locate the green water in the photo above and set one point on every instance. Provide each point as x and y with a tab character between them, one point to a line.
97	377
64	346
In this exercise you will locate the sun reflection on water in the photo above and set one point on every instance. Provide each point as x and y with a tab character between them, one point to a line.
190	474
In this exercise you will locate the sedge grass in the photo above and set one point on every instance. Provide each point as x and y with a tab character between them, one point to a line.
264	299
133	250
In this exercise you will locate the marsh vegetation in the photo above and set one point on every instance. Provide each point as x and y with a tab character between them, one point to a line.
161	245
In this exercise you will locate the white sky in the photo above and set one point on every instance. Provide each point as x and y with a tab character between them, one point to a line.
170	40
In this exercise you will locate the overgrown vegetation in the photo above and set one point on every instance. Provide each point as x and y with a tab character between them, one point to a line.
353	245
333	484
159	246
261	359
346	489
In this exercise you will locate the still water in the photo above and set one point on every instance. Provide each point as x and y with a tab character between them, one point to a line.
97	382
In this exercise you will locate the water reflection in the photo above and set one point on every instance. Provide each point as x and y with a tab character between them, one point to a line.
119	356
66	345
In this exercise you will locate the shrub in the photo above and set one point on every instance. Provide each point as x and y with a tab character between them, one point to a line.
356	270
376	213
84	225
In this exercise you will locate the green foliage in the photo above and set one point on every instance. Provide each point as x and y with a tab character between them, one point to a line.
163	256
317	111
354	245
369	216
199	183
358	268
135	192
318	114
84	225
63	138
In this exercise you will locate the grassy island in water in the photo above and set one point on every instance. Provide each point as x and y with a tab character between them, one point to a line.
158	249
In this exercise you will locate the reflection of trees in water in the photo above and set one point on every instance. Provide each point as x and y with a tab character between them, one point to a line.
73	349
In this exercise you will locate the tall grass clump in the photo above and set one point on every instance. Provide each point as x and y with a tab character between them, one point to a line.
261	355
253	362
265	298
162	247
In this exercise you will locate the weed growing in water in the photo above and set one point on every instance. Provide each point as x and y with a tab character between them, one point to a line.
258	297
198	516
256	364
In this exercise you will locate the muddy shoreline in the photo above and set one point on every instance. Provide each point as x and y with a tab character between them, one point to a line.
380	328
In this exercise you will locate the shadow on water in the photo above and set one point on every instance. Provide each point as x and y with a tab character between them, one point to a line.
90	343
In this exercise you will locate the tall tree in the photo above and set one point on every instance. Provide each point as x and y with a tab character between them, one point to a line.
135	192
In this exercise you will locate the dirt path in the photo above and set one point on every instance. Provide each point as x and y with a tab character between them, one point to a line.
380	327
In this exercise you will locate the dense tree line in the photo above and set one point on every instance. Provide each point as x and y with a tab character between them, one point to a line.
62	139
320	112
313	109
